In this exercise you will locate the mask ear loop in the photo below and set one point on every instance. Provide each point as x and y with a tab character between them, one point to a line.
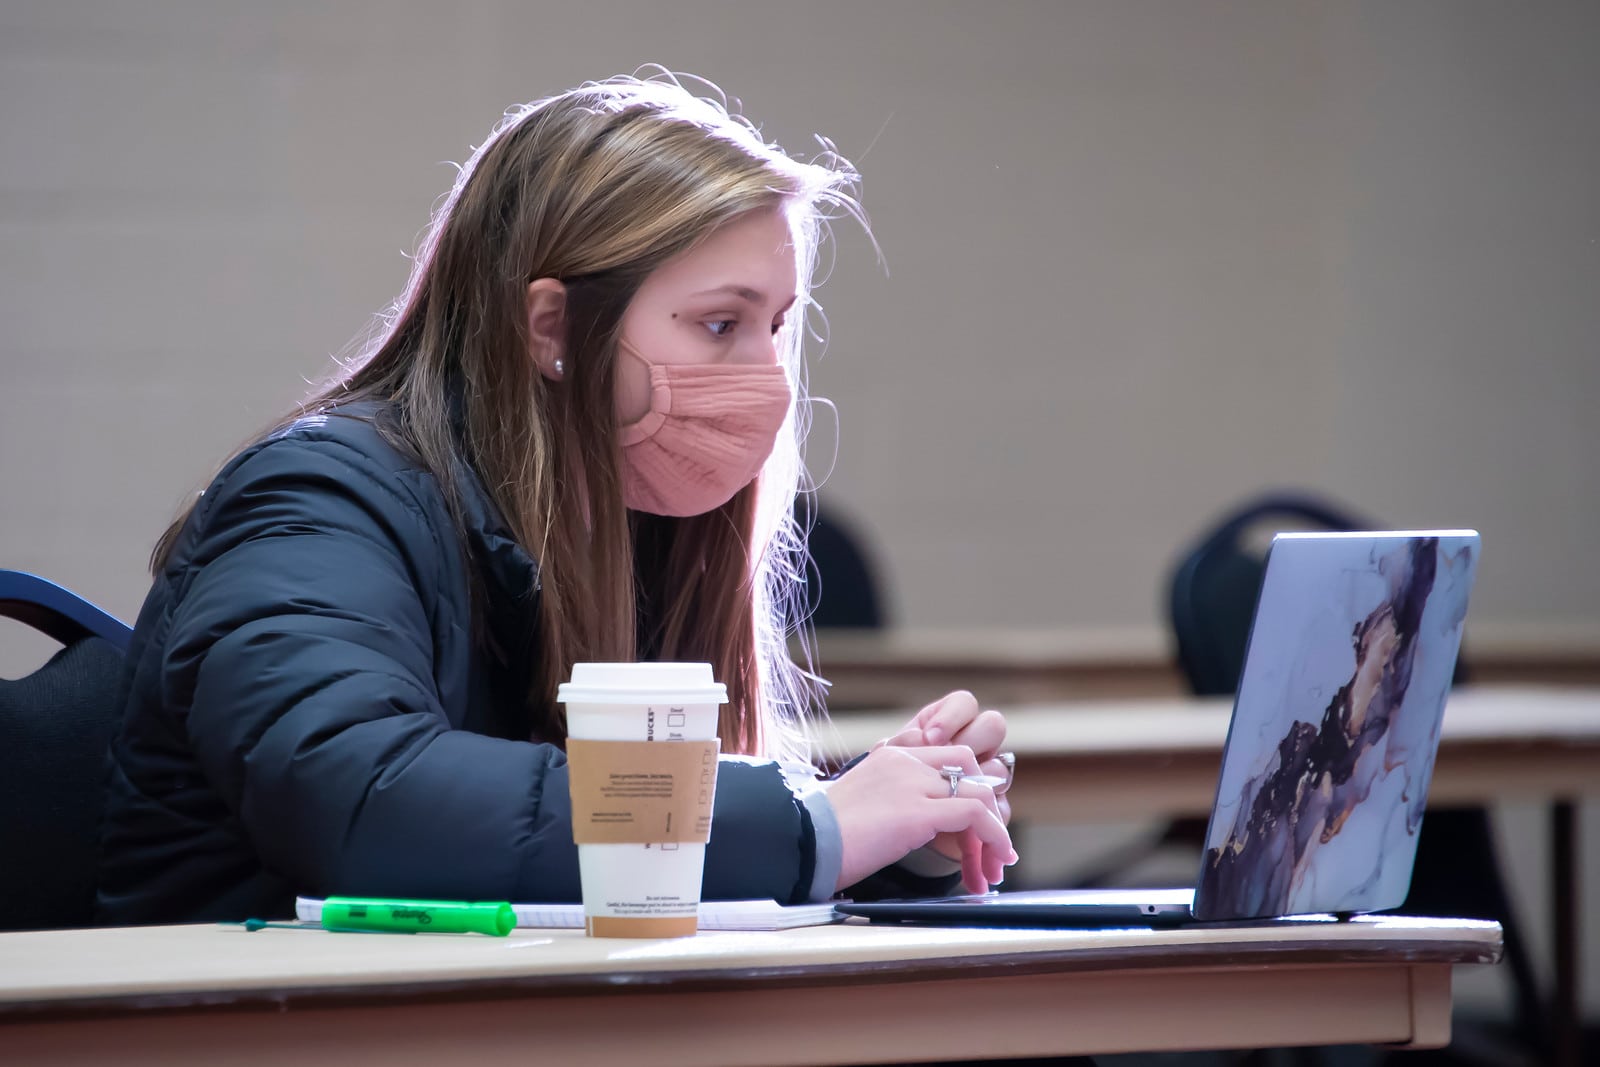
812	403
626	348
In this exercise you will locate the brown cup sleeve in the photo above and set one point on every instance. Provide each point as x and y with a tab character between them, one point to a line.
641	792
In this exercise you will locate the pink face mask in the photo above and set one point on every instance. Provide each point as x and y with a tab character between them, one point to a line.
707	433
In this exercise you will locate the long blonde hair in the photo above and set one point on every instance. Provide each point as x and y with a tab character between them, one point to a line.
597	187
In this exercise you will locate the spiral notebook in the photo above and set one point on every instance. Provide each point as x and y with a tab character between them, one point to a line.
714	914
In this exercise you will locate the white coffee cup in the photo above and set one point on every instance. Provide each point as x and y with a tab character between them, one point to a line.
642	890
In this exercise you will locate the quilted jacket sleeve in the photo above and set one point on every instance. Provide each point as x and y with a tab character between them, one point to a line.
301	649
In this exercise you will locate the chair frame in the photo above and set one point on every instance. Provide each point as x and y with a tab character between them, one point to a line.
58	612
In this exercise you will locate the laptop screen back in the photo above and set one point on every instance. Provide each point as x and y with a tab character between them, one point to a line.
1336	723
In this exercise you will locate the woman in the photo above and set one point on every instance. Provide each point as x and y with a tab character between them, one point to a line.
575	439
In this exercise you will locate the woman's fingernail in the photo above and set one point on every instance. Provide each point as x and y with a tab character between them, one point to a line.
933	735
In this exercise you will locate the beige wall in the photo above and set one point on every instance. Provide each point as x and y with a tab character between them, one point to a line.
1144	258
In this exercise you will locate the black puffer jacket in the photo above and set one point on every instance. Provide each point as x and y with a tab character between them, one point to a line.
308	711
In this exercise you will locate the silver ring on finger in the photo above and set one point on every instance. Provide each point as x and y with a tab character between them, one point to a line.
1009	759
953	775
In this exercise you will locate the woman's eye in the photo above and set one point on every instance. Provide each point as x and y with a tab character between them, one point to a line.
720	327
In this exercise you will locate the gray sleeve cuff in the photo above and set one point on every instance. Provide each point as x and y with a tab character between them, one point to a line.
830	845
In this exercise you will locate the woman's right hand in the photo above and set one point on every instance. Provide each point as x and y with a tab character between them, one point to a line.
896	800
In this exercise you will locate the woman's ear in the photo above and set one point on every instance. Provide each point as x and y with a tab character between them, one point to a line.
547	326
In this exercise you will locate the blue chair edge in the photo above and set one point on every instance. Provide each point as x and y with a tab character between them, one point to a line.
58	612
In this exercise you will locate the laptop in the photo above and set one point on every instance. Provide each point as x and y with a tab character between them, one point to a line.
1330	749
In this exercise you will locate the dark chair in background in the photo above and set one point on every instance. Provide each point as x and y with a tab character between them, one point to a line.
842	589
1212	594
1212	598
55	726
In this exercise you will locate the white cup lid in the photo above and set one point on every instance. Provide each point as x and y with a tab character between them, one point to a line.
642	683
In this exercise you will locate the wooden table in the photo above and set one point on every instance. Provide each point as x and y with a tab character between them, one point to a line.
1128	759
839	994
1112	760
900	667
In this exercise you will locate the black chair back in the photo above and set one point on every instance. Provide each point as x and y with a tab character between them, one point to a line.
1213	592
56	726
841	580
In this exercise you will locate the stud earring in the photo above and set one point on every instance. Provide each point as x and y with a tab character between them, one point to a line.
561	368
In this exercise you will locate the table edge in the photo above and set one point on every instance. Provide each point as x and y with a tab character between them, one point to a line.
1201	957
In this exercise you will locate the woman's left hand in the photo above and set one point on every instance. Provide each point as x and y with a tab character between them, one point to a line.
958	719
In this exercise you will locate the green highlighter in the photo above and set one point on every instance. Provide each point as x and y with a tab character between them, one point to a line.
418	916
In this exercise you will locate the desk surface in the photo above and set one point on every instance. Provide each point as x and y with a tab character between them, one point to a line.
847	993
883	668
1125	759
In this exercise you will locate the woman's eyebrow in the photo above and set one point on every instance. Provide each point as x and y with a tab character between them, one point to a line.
743	292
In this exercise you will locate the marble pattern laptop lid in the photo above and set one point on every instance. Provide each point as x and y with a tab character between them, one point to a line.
1336	725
